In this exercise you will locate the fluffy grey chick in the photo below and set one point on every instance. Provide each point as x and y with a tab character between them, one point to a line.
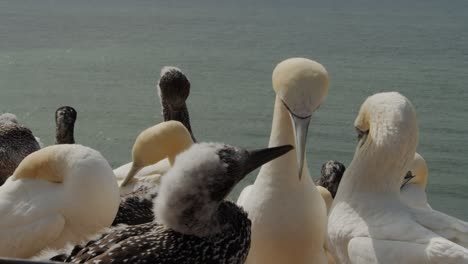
194	224
173	90
331	174
16	142
65	118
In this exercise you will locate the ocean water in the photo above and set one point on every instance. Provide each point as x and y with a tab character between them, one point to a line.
103	58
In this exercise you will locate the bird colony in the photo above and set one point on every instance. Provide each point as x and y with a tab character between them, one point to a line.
64	202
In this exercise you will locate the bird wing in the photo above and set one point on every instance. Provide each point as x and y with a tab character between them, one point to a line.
443	225
28	239
146	243
364	250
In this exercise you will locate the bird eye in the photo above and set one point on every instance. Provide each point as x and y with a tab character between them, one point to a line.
361	133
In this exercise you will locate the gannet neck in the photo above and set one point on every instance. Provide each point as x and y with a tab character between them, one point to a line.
180	114
283	170
64	134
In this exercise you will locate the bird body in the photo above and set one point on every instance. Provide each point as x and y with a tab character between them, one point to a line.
368	222
57	195
288	214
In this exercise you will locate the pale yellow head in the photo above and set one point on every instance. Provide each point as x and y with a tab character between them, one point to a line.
419	171
301	85
164	140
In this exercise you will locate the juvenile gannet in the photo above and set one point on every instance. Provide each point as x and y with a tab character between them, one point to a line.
57	195
330	176
194	224
368	222
173	90
65	118
288	214
16	142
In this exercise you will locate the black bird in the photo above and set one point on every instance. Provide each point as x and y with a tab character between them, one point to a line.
16	142
173	90
331	174
65	118
194	224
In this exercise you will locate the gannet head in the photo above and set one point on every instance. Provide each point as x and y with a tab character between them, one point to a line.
200	179
331	174
302	85
85	179
387	132
418	172
164	140
65	117
8	118
173	87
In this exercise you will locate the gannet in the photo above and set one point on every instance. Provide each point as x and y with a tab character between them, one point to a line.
368	222
16	142
164	140
194	224
59	194
413	193
330	176
173	90
288	214
65	117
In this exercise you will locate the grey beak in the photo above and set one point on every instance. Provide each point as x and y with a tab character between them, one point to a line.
261	156
301	127
131	173
407	179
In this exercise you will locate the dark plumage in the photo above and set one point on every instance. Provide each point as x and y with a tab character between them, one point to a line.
331	174
65	118
16	142
136	207
194	224
174	89
155	243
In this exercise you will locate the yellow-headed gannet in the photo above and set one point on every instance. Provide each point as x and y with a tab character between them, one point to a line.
289	216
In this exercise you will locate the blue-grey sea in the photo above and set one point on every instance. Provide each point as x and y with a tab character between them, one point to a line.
103	57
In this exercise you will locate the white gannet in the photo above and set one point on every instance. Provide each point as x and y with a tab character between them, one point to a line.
173	90
288	214
368	222
16	142
161	141
65	117
413	192
57	195
194	224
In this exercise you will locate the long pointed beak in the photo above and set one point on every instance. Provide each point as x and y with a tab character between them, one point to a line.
407	179
133	171
301	127
261	156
